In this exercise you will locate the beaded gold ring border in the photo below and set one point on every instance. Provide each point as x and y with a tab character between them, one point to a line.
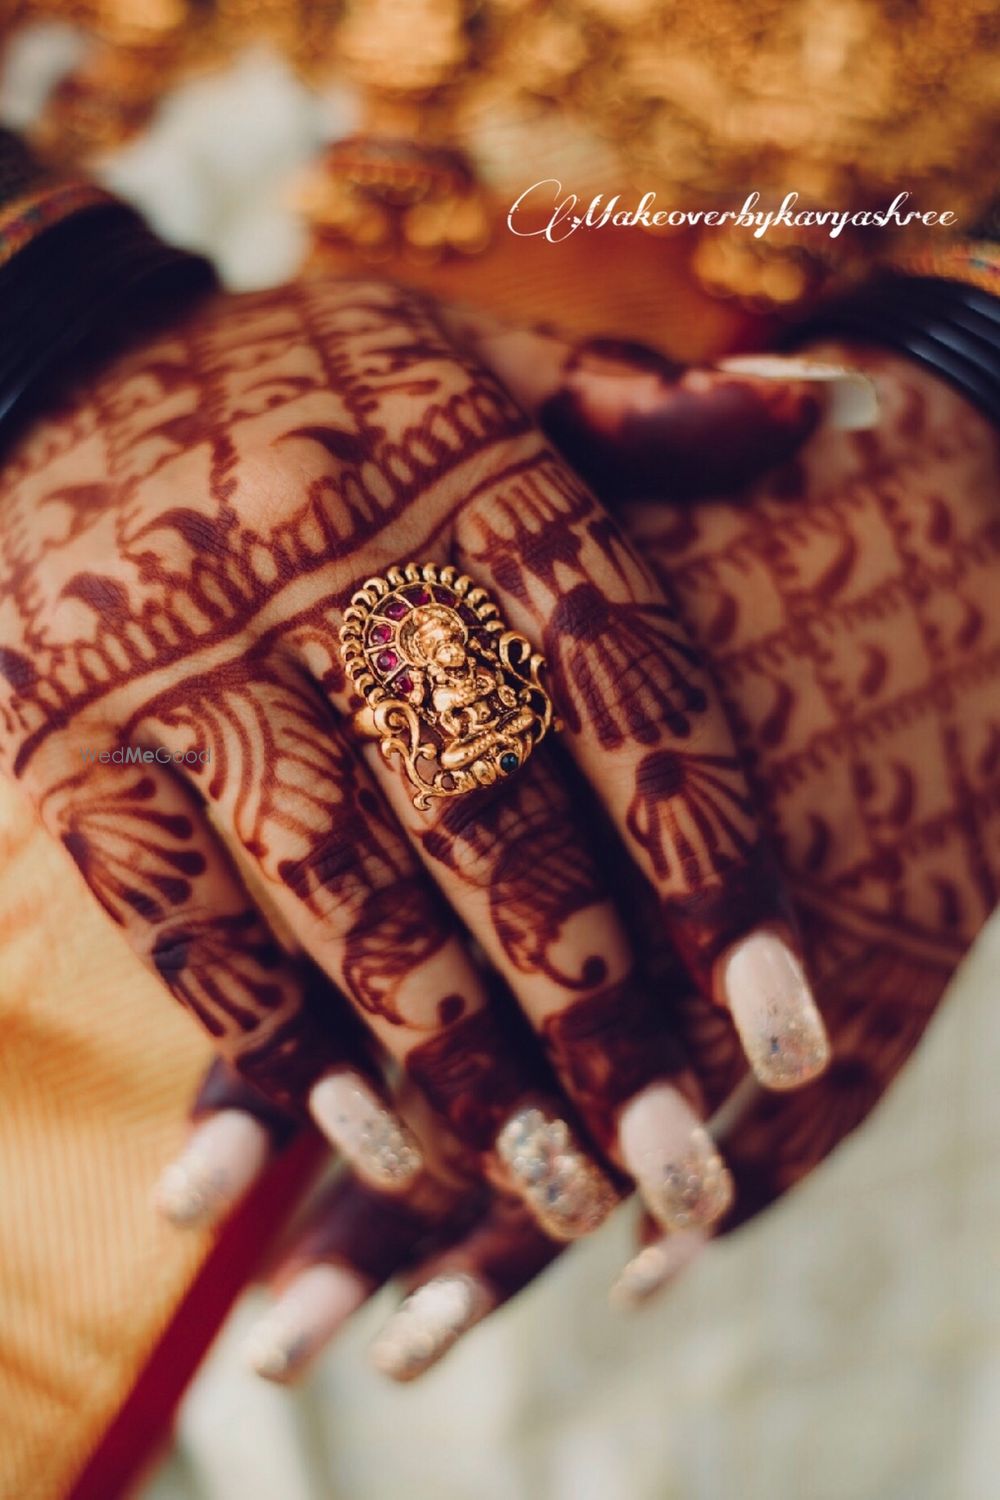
449	689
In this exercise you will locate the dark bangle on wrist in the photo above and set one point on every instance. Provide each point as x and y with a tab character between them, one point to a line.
75	264
96	267
950	327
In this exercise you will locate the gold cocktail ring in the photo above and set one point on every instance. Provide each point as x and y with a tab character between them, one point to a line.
447	687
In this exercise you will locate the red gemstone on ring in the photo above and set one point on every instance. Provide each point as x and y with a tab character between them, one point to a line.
380	634
404	684
418	595
444	596
395	609
386	660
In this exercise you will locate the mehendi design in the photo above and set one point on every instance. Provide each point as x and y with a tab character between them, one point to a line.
626	669
474	1073
160	601
178	543
692	811
524	853
607	1047
137	859
845	614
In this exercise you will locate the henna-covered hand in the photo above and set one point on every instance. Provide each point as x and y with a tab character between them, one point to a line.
847	605
178	541
845	608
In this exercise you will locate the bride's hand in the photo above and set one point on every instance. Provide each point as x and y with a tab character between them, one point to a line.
858	579
180	538
848	609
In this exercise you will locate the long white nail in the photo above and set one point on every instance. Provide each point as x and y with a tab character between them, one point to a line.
567	1193
852	399
774	1012
296	1327
371	1137
650	1270
680	1175
428	1323
224	1155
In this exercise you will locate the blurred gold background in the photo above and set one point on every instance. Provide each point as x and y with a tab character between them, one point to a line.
457	105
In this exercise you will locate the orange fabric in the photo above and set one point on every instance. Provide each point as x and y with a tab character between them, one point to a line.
95	1069
627	282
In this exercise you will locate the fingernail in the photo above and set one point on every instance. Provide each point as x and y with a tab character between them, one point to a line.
296	1327
679	1173
775	1014
568	1195
852	400
428	1323
224	1155
649	1271
371	1138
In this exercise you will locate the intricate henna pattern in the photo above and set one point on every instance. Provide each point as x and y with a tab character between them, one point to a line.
474	1073
693	809
609	661
533	872
210	504
523	852
607	1047
846	610
178	542
104	831
161	599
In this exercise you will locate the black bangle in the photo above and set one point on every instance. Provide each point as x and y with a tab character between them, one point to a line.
97	267
952	327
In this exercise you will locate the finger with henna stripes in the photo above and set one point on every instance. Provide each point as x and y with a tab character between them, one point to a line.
324	851
645	725
518	868
141	844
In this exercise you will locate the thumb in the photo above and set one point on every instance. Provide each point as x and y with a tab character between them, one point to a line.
638	425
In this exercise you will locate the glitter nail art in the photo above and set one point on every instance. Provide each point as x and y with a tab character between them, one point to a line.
693	1190
567	1193
310	1311
774	1012
373	1140
224	1156
679	1173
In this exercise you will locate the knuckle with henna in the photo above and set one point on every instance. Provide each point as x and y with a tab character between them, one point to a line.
467	836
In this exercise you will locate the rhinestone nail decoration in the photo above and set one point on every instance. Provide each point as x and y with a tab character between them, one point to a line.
567	1193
